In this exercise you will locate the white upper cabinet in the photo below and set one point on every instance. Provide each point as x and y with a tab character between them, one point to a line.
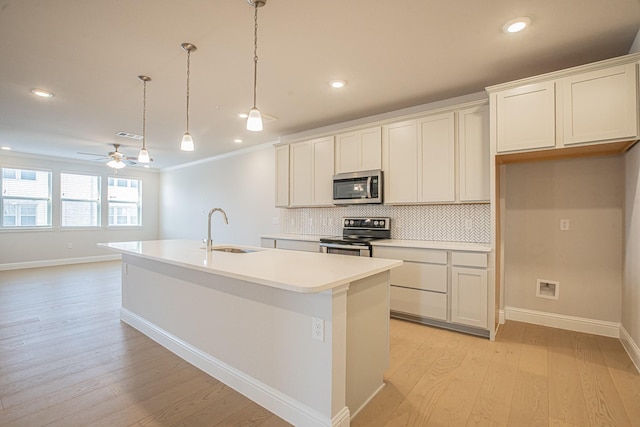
594	103
442	157
311	172
436	152
600	105
359	150
525	117
420	163
473	154
400	162
282	176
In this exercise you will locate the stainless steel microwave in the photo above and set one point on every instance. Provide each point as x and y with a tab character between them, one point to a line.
357	187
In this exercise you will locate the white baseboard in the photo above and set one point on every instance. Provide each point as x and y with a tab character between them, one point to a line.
570	323
630	346
501	317
56	262
280	404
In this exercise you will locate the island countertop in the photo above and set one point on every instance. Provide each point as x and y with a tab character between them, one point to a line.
295	271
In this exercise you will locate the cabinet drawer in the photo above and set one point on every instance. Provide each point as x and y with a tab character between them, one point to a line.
267	243
432	256
469	259
430	277
298	245
419	303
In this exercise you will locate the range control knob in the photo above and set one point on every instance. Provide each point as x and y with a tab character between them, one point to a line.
375	223
346	222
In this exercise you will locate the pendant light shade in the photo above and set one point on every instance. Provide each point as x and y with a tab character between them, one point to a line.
143	155
187	142
254	120
187	139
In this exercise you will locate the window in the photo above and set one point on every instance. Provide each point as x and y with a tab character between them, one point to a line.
26	198
79	200
125	200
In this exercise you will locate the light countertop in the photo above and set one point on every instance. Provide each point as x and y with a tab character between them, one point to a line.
427	244
295	271
298	237
419	244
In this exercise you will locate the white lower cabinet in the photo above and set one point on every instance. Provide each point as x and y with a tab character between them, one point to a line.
290	244
469	289
418	302
469	296
419	287
298	245
448	286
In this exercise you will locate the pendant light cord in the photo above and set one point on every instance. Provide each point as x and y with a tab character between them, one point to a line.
255	52
188	82
144	113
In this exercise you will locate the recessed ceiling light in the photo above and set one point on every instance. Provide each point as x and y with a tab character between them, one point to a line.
42	93
516	25
146	166
243	115
237	141
5	148
337	84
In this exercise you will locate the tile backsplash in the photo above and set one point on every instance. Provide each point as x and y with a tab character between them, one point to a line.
452	223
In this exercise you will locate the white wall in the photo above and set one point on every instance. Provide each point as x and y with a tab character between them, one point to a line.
241	183
23	248
586	259
631	282
635	46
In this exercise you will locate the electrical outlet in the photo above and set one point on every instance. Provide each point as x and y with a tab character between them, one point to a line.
317	329
275	220
564	224
69	245
468	225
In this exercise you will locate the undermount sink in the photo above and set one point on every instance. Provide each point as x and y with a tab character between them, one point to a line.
234	250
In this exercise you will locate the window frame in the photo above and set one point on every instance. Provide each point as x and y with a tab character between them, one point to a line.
48	199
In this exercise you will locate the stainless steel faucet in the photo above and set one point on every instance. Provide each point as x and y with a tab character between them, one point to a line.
226	221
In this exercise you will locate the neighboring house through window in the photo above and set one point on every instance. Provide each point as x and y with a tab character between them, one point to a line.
25	198
125	201
79	200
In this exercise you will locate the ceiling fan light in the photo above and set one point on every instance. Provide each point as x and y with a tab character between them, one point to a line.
254	121
143	156
115	164
187	142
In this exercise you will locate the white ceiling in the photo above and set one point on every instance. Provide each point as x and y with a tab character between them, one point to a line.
393	54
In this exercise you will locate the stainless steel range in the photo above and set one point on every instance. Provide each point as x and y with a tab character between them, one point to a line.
357	235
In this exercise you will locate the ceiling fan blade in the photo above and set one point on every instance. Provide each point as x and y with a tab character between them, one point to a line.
92	154
134	159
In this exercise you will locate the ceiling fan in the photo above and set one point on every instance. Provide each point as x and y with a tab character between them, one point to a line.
115	159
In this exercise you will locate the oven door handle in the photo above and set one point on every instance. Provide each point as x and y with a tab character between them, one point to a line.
339	246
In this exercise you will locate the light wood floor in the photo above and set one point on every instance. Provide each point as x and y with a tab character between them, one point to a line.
67	360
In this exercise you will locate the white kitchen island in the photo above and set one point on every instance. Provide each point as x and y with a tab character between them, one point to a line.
305	335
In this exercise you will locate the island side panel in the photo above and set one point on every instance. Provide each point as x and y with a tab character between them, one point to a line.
263	332
367	339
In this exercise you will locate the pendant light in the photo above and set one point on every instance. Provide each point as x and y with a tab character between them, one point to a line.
254	120
187	140
143	155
